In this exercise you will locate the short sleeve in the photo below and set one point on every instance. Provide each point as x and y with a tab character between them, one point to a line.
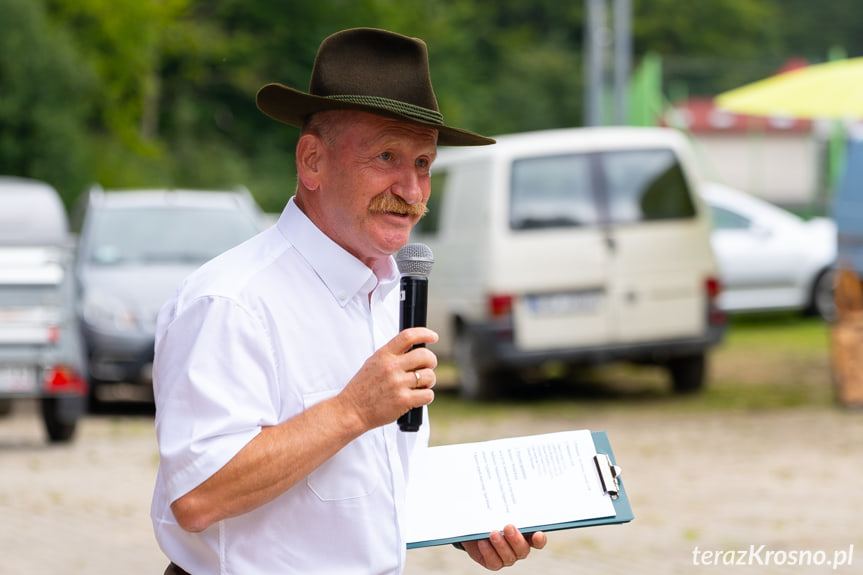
215	384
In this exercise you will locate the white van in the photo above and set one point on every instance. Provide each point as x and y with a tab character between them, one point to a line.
573	247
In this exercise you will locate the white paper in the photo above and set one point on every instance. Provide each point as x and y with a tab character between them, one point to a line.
471	488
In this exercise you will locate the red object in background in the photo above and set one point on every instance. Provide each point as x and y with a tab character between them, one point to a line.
713	287
62	379
499	305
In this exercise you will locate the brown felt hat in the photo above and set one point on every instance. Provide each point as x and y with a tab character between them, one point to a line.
372	71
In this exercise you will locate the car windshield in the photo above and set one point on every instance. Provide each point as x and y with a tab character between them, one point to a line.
166	235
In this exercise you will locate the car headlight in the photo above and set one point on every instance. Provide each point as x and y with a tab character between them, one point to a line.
107	312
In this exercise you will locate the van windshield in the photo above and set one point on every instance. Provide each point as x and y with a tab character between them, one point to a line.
599	187
165	235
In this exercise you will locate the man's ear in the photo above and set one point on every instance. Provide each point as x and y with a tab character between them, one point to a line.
309	151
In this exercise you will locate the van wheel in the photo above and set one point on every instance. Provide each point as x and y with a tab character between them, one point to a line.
687	372
475	376
59	430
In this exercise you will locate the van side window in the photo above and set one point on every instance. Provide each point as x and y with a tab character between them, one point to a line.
552	192
645	185
430	223
583	189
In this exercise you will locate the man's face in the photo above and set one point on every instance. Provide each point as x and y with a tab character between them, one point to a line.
374	184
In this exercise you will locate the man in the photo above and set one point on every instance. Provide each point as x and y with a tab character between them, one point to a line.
280	369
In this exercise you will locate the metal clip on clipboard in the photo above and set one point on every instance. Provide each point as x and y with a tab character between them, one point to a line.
608	474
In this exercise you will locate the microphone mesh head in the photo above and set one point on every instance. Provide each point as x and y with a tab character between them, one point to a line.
415	260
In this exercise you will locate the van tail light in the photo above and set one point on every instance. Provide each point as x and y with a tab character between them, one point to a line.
54	334
63	379
713	288
499	306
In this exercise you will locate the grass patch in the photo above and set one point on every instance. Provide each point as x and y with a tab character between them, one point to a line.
778	333
766	361
772	360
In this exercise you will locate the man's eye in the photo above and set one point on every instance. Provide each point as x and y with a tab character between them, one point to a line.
386	156
423	163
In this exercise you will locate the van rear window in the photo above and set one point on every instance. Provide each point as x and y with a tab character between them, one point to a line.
599	187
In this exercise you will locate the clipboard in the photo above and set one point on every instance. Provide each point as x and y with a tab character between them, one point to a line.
609	475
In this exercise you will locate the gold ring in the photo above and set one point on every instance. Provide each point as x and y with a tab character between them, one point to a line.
417	374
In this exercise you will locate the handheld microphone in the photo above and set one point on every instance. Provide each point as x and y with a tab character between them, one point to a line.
415	263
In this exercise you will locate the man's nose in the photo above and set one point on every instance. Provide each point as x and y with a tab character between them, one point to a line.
408	187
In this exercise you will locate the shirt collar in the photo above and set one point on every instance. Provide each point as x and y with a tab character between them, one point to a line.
343	274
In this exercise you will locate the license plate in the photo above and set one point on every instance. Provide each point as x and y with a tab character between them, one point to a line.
18	379
575	302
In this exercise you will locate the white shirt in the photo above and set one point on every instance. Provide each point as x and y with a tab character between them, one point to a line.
251	339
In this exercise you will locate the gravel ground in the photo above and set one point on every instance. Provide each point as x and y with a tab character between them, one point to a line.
767	487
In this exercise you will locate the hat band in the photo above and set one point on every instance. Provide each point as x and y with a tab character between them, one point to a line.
416	112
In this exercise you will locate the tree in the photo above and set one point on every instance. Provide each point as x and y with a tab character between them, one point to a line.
45	98
161	92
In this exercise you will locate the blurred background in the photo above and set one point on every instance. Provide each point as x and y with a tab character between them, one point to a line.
134	93
104	95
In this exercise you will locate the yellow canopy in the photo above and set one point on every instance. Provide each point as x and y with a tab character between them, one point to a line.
830	90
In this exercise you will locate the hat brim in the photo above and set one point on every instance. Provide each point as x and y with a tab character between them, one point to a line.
292	107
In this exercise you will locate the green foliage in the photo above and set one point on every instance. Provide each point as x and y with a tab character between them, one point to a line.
811	29
730	28
45	96
161	92
124	41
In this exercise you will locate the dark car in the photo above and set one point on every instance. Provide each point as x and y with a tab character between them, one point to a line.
135	247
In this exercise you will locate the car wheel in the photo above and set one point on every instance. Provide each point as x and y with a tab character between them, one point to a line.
476	378
822	303
59	430
5	407
687	372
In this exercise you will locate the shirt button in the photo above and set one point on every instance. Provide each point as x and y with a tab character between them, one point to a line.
342	296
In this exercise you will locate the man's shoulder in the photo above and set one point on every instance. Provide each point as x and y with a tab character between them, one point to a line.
239	271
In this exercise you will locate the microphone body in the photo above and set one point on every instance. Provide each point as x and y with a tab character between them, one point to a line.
414	262
412	313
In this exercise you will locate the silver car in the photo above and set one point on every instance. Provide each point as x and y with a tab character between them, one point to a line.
135	247
769	258
40	350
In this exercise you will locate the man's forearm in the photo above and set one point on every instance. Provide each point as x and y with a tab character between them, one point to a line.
274	461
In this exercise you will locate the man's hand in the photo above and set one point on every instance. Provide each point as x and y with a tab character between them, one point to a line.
393	380
503	549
